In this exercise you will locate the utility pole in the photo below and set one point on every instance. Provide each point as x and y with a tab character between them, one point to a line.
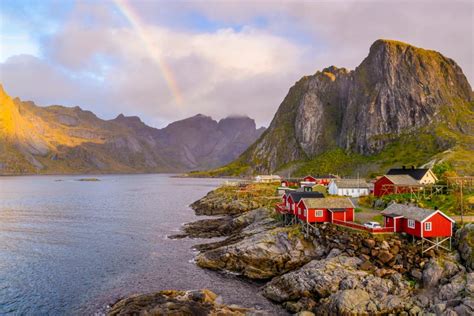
462	204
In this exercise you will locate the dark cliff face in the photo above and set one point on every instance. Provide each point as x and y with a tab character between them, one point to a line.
200	142
397	89
58	139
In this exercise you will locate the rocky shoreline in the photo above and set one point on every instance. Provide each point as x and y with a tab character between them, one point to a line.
334	271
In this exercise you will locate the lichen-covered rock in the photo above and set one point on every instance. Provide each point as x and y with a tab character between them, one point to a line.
465	242
224	226
340	288
184	303
263	254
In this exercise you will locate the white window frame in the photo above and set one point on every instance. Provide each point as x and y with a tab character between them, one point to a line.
428	225
319	213
411	223
305	212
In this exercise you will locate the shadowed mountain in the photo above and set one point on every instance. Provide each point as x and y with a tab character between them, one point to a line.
57	139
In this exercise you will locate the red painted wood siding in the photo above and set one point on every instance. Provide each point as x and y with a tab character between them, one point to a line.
412	231
320	219
350	214
440	226
378	185
309	179
399	226
338	215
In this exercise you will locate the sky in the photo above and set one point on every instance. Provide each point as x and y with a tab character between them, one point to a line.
168	60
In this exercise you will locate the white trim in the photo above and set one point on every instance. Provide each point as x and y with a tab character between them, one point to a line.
436	212
426	226
316	213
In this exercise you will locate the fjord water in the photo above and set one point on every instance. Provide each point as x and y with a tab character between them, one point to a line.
72	247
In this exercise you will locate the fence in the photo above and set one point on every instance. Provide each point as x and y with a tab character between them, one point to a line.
381	230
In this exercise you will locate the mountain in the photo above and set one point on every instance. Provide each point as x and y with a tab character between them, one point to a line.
401	105
57	139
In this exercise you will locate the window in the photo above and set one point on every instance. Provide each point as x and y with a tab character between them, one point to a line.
319	213
411	223
305	214
428	226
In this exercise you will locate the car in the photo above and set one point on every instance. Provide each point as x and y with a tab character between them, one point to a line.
372	225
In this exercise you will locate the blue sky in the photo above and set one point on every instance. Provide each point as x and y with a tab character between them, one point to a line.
213	57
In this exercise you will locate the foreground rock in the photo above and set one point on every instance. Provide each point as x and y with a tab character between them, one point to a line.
336	286
465	242
263	253
201	302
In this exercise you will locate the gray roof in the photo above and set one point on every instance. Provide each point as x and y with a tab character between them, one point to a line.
328	203
351	183
402	180
408	211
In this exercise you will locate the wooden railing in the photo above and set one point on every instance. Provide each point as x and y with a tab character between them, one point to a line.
353	225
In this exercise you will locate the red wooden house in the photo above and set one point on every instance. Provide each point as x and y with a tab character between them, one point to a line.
418	222
322	180
395	184
290	182
326	209
293	198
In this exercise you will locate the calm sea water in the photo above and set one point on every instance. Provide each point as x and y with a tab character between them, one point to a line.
71	247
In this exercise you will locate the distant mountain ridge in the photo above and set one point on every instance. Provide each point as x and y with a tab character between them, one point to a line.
57	139
401	105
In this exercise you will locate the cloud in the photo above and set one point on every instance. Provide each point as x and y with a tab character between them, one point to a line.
226	58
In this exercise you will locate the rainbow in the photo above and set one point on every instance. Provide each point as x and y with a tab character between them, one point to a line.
138	26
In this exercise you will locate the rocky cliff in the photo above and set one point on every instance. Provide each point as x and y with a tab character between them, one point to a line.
57	139
400	97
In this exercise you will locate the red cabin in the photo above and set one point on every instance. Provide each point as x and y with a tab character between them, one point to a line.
293	198
395	184
326	209
418	222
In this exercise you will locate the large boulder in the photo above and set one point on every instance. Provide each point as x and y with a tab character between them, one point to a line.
201	302
465	243
341	288
264	253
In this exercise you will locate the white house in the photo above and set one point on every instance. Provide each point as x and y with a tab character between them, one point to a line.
349	187
267	178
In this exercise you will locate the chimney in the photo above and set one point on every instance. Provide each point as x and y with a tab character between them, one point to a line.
412	167
403	167
436	208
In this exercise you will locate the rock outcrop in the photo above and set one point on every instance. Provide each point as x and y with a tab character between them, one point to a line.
190	303
465	245
57	139
398	90
339	288
262	251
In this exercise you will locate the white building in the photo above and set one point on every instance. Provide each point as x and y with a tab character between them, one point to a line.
267	178
349	187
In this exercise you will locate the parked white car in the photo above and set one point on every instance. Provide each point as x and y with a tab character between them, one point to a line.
372	225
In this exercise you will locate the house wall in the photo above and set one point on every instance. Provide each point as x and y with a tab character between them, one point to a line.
309	179
350	216
352	192
428	178
313	219
332	189
378	186
337	215
412	231
440	226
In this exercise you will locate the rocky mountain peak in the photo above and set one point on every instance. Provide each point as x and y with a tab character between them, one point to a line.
398	89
